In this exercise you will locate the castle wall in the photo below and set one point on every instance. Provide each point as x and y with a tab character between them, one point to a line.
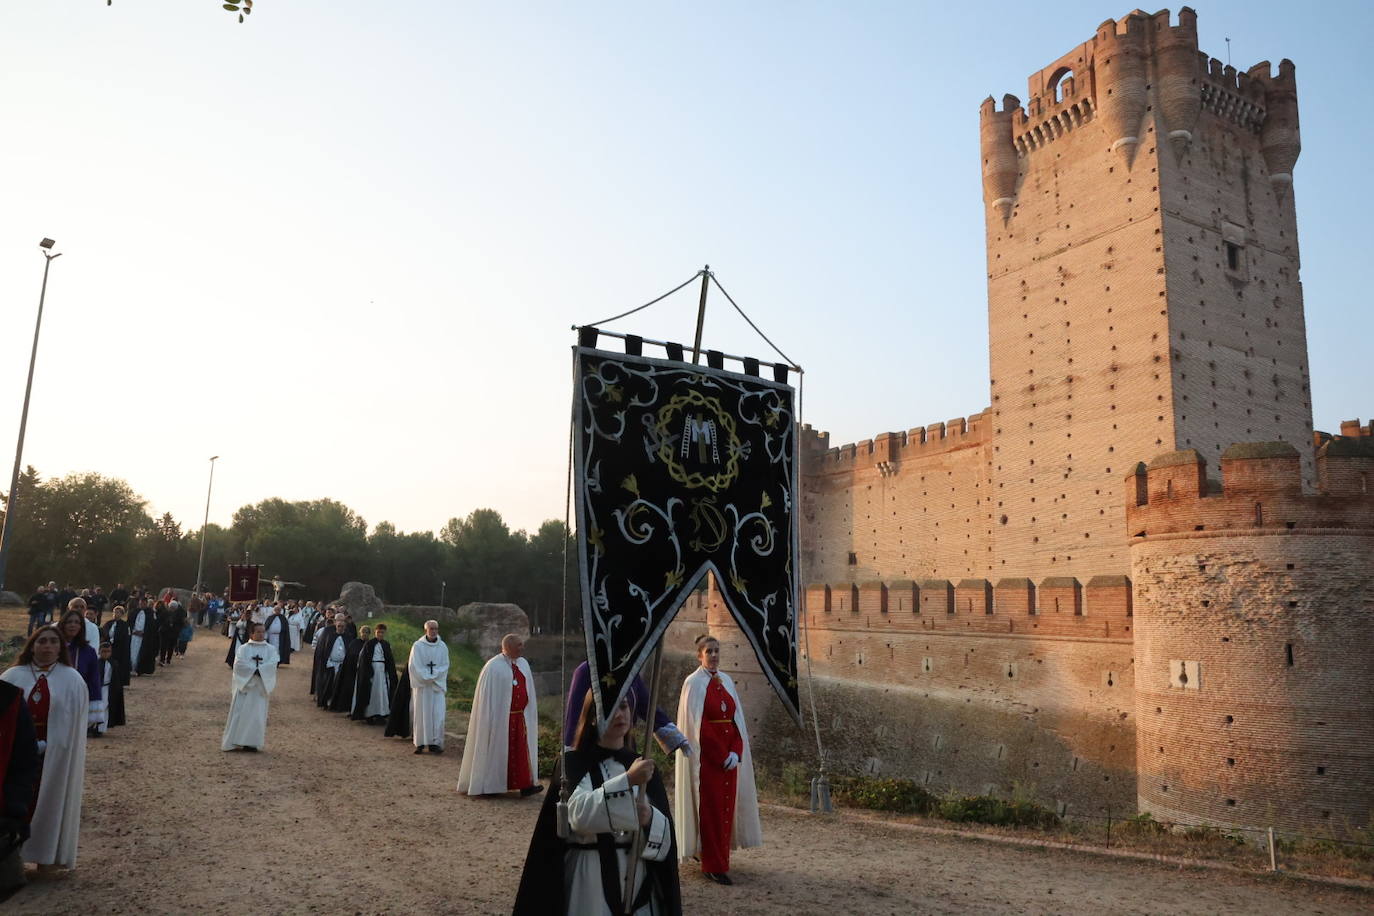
1254	691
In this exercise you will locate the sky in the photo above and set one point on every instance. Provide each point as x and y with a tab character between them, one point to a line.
342	245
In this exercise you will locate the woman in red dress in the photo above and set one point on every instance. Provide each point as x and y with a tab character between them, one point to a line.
717	801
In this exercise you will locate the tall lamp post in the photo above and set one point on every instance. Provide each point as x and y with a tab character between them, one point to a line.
46	247
200	566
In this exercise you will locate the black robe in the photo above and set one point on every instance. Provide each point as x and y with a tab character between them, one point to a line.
283	640
362	690
114	706
318	669
117	632
146	663
542	890
237	637
341	689
398	723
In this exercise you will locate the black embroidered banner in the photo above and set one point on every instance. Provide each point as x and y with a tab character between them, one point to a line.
683	470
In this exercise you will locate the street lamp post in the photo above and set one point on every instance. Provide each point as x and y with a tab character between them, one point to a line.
46	246
442	587
200	566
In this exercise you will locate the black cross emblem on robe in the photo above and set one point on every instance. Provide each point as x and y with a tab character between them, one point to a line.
431	668
257	662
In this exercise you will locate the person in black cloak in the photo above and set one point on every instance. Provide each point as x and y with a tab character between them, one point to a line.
143	625
372	698
116	632
583	874
340	697
112	688
319	634
398	723
240	632
279	635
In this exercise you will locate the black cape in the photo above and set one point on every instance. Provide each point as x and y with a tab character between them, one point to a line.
237	637
322	682
115	705
340	696
362	691
146	663
542	890
283	640
398	723
117	633
317	666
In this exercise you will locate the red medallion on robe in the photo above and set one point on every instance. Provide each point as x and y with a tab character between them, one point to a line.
518	775
719	737
40	700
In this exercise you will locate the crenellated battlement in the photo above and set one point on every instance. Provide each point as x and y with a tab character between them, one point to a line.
886	451
1261	491
1057	606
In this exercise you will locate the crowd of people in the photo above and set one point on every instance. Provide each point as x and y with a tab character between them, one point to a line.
609	812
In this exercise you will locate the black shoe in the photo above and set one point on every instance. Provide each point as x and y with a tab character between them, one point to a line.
719	877
435	749
531	790
250	749
419	750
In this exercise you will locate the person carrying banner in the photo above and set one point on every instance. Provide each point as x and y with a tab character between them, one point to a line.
716	797
613	789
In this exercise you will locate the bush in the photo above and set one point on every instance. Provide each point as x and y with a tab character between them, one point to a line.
1143	825
985	809
901	796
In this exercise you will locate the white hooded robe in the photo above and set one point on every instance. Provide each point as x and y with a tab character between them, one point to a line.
255	677
428	666
56	824
484	755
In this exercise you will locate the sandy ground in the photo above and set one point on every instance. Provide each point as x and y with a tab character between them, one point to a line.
333	818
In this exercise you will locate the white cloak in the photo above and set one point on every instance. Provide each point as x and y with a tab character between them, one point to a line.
592	811
255	677
56	824
92	636
747	830
428	685
484	755
293	621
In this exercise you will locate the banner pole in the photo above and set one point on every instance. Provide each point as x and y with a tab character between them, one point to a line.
637	841
701	313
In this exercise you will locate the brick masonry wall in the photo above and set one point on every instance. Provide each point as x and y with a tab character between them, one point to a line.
1275	723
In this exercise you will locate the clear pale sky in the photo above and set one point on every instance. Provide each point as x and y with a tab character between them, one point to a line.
342	244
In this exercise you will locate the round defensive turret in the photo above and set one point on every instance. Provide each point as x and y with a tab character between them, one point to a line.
1280	140
1000	164
1177	76
1122	86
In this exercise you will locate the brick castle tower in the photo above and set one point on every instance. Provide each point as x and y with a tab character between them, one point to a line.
1143	291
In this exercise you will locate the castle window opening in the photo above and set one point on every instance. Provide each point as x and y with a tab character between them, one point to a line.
1321	771
1288	653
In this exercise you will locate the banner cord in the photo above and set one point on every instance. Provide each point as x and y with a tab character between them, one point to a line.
805	627
770	343
649	303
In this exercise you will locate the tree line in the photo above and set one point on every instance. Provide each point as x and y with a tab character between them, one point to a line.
86	529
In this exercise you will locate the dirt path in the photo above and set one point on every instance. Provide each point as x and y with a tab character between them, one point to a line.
333	818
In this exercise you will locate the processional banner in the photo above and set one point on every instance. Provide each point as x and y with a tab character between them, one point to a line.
243	583
681	470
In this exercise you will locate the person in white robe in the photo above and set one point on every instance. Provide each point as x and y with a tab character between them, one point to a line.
92	628
379	698
295	622
497	729
255	677
745	829
140	627
49	682
428	669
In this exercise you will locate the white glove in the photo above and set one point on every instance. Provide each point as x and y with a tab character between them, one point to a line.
671	739
731	761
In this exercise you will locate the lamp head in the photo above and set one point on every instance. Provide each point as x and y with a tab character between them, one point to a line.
47	244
